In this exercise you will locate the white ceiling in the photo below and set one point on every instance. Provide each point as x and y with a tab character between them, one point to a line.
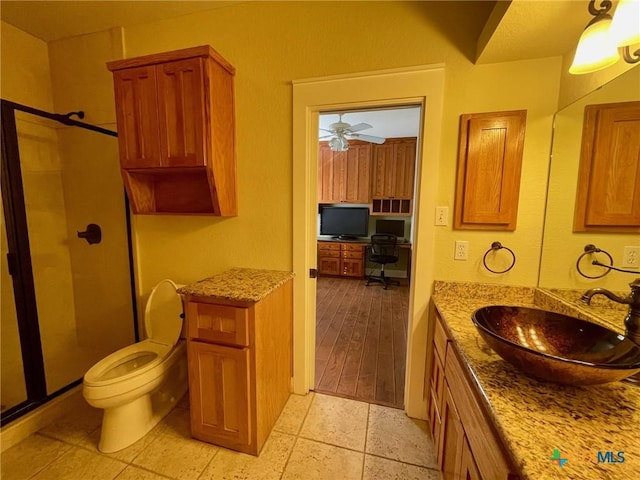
386	123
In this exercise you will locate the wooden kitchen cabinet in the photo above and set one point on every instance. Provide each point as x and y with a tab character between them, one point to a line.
239	356
393	176
466	445
176	131
343	259
343	177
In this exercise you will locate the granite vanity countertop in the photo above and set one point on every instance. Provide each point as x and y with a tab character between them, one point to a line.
535	417
238	284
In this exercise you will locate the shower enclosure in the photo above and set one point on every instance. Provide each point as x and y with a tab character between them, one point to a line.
66	267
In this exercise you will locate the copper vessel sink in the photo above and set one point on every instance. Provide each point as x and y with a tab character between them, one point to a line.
555	347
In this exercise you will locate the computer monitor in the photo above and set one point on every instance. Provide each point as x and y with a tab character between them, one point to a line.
394	227
344	222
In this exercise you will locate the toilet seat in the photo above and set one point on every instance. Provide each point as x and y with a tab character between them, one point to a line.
163	314
99	374
163	324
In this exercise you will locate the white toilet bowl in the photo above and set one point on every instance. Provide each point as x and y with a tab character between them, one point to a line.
139	384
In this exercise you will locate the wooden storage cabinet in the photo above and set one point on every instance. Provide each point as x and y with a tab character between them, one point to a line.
466	445
343	259
239	357
176	131
343	177
393	177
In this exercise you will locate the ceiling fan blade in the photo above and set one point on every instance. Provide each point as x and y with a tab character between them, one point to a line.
324	136
330	131
368	138
358	126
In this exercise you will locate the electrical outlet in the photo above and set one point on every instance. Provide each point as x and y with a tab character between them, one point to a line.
631	257
462	250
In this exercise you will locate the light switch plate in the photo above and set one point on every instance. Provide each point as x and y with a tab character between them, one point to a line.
442	216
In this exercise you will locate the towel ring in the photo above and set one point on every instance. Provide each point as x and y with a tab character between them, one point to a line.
495	246
590	249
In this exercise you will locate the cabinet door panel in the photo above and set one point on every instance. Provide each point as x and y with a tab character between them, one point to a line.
381	170
329	265
137	117
356	169
451	439
352	267
219	393
329	175
403	176
181	113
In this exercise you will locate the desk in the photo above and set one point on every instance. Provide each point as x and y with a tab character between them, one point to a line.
348	258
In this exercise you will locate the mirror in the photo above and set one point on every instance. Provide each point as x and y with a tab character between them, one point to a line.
561	247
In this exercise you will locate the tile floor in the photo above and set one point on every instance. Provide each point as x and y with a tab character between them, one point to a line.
316	437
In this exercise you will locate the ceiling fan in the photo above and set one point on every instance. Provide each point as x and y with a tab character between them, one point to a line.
342	132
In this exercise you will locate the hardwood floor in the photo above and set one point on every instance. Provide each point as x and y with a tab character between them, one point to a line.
361	340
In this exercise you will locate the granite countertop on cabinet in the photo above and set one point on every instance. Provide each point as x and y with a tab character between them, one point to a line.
246	285
533	417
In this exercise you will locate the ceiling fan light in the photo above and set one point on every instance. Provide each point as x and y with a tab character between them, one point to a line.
339	144
595	49
625	27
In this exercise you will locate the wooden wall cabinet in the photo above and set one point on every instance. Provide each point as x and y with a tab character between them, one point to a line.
176	132
343	259
239	358
466	444
343	177
489	166
608	194
393	176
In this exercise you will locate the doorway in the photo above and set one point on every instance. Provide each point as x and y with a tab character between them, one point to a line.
423	85
367	162
67	283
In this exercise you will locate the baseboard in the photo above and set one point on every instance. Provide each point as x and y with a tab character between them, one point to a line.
30	423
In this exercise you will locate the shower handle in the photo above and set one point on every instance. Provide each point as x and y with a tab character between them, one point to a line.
93	234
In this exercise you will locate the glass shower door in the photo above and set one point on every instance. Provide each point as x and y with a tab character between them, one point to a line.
70	180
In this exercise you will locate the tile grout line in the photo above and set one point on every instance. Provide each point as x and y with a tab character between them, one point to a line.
297	436
366	435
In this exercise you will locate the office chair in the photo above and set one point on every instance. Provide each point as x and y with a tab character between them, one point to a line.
383	250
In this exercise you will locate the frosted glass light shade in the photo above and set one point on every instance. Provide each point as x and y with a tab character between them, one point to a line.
625	27
595	49
339	144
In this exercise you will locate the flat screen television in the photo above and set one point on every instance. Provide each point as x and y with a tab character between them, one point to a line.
344	222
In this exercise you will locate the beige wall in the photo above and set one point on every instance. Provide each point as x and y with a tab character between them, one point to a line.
271	44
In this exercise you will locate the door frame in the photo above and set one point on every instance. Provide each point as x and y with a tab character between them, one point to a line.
421	85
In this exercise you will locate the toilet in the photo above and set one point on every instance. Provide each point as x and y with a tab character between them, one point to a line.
139	384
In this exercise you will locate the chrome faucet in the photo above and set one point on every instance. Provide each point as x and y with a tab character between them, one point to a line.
632	320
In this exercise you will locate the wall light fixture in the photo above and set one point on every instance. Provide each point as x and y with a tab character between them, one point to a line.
603	36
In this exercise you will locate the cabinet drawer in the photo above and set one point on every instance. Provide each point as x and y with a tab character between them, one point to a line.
348	254
328	247
218	323
486	447
347	247
440	340
329	253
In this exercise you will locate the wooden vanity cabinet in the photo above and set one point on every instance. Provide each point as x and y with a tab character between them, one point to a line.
466	445
176	131
239	357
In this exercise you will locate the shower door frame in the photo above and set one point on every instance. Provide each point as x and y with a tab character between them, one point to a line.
19	259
